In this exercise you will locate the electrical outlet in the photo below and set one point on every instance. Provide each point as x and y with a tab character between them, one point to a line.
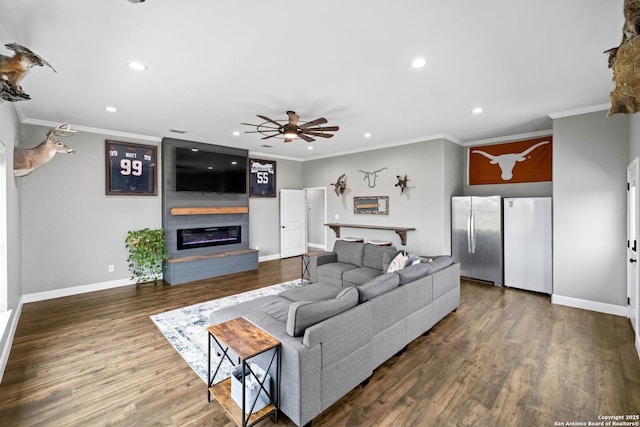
336	216
257	248
111	268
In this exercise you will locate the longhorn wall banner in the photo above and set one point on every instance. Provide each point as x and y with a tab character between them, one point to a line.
512	162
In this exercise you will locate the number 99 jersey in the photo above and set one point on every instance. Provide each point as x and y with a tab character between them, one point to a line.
132	168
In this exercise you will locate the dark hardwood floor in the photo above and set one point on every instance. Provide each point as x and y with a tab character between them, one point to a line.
505	358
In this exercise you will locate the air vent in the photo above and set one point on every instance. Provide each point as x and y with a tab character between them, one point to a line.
266	146
176	130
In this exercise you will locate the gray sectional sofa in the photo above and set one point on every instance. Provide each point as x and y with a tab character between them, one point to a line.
335	332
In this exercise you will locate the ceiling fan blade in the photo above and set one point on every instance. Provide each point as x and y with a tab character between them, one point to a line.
315	122
270	136
324	129
293	118
269	120
305	137
322	135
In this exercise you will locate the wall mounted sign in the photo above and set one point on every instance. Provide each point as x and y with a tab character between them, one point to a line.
371	205
262	178
512	162
130	169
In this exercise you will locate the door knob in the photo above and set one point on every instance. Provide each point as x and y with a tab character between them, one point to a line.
632	260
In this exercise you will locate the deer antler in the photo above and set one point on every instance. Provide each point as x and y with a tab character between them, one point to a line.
63	129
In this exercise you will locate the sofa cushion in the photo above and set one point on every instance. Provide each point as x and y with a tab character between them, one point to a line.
378	286
359	276
414	272
349	252
374	255
437	263
315	292
387	257
303	314
334	270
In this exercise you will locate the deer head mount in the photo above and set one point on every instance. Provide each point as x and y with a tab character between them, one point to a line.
14	68
26	160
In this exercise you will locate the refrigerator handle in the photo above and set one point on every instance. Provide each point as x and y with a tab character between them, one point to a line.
469	231
472	231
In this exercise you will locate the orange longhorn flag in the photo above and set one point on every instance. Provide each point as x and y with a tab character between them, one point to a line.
512	162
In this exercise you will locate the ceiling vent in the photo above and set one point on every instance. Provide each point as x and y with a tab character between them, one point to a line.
176	130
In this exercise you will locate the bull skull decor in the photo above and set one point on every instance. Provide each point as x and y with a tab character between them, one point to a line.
26	160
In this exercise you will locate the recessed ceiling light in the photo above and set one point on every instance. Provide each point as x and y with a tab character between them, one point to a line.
477	110
310	147
111	109
236	133
194	150
367	135
419	63
138	66
234	162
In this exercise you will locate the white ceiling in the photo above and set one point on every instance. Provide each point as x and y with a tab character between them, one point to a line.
213	65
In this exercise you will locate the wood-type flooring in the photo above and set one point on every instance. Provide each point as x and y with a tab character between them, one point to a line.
505	358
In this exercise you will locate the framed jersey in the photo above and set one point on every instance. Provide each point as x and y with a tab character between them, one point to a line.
262	178
130	169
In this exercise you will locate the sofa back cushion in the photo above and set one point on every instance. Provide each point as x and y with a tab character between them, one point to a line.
378	286
349	252
303	314
374	255
414	272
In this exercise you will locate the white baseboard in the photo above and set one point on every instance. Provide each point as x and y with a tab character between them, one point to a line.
317	246
11	331
76	290
268	257
601	307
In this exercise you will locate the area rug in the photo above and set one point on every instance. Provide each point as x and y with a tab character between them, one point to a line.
186	328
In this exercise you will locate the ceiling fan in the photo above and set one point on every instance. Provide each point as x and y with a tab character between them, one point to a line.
293	128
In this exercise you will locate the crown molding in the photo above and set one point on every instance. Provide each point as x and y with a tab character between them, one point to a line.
511	138
579	111
88	129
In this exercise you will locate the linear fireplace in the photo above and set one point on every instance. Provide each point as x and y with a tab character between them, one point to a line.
189	238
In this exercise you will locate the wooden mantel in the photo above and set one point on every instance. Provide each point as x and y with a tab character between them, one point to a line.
217	210
400	231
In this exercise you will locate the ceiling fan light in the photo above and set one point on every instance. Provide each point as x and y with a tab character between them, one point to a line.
290	131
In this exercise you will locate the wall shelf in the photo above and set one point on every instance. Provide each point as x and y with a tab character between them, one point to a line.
213	210
400	231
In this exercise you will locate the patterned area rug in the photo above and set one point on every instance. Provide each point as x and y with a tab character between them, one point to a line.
186	328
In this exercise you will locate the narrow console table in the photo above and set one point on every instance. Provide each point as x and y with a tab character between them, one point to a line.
400	231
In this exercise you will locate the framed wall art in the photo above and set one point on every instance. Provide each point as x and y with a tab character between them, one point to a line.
262	178
371	205
130	169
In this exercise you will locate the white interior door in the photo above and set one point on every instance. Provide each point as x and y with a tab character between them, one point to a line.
293	223
633	280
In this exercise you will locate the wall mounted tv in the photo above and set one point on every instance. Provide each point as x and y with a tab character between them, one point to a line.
210	172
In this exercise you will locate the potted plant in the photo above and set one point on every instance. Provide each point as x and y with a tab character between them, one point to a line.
147	253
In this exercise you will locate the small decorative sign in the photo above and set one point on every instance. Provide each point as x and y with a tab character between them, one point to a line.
262	178
371	205
130	169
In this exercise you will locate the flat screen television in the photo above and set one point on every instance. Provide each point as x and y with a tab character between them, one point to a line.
210	172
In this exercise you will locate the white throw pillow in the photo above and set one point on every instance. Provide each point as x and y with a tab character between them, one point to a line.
397	263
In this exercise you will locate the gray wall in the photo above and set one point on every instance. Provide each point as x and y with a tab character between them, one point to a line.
316	230
590	156
71	231
634	137
434	172
10	134
264	212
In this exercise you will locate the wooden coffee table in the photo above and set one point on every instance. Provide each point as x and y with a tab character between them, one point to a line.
246	340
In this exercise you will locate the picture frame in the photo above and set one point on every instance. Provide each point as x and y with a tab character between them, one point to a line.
262	178
131	169
371	205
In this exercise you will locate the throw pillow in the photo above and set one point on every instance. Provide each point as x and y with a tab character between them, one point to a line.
398	263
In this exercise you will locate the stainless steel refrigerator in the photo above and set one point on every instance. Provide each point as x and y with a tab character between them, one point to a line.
476	237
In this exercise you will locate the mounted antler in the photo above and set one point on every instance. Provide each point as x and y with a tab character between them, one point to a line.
26	160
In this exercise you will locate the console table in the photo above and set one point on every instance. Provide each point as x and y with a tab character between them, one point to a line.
400	231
